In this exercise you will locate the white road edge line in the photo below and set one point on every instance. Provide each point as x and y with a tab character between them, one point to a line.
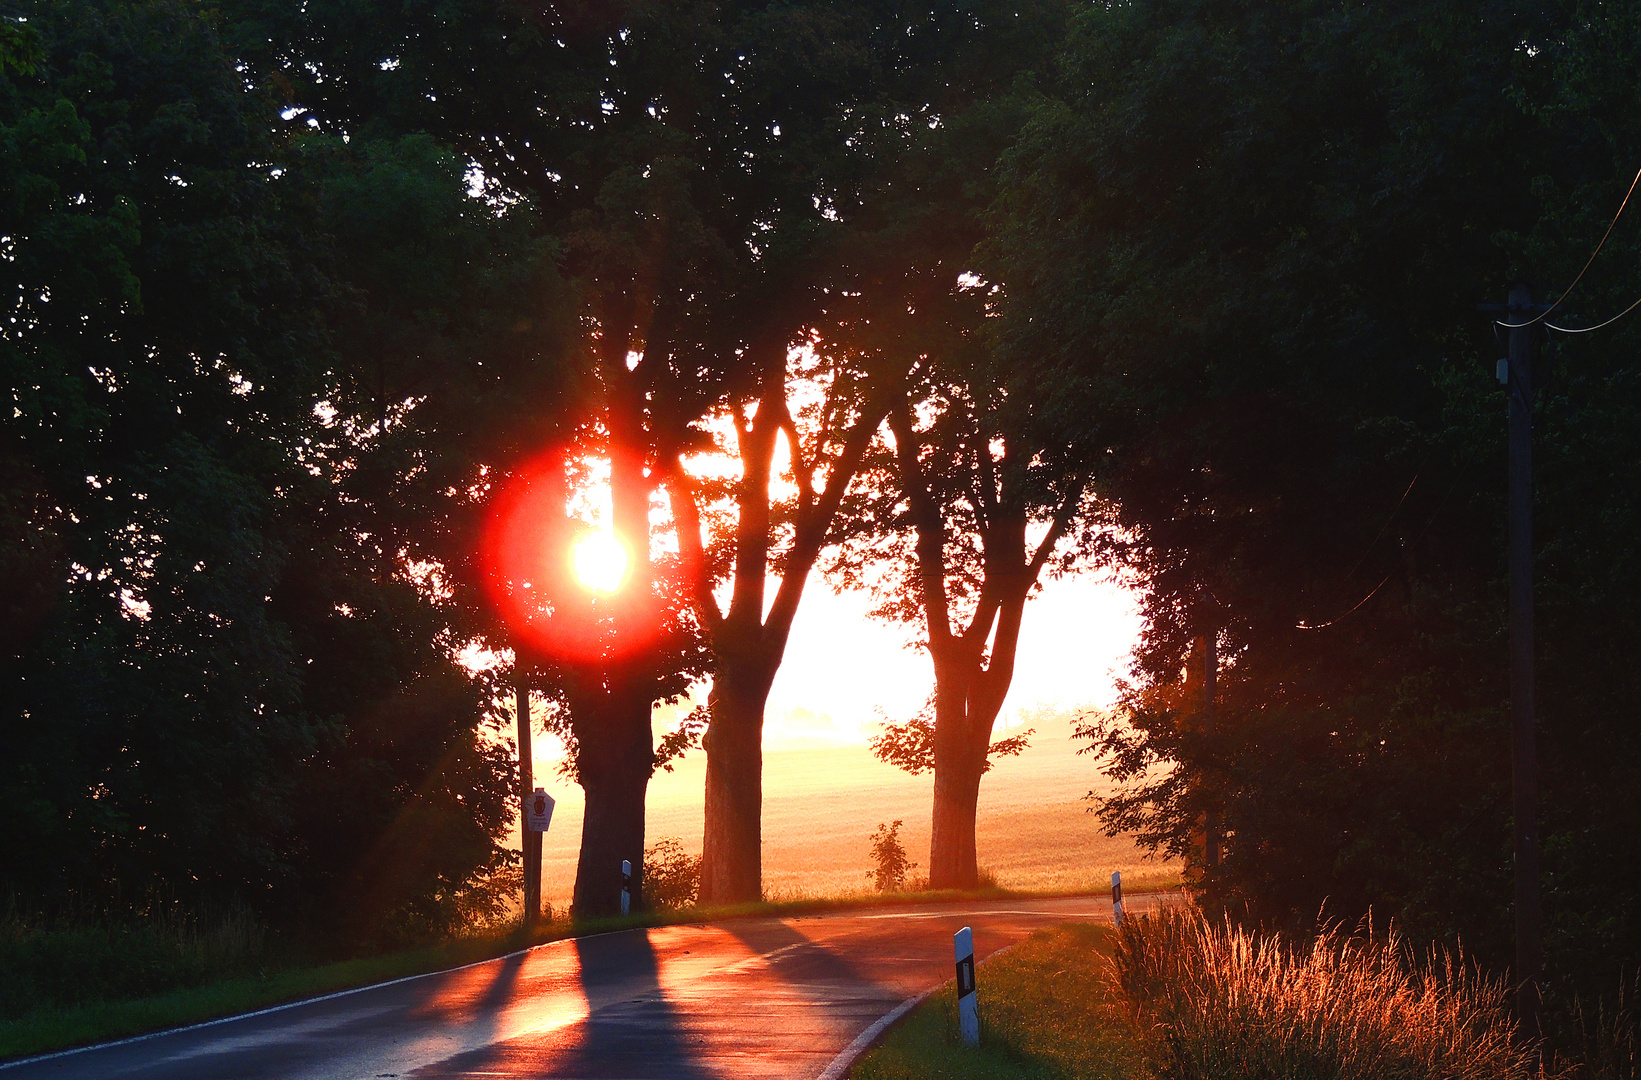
18	1062
4	1065
852	1053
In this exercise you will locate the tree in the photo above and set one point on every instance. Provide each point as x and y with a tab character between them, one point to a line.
231	673
970	499
988	506
749	638
450	323
602	120
153	389
694	161
1261	301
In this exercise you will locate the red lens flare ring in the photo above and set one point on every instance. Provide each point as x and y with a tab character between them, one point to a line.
563	592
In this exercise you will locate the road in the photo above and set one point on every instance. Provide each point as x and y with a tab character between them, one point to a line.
744	998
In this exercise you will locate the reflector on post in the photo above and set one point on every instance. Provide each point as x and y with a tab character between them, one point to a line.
968	1007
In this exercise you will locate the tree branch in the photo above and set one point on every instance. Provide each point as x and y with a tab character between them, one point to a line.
1062	521
691	550
925	513
816	522
803	473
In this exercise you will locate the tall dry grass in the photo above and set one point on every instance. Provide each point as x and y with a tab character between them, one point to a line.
1213	1001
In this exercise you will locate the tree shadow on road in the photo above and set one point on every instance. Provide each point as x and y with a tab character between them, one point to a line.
630	1031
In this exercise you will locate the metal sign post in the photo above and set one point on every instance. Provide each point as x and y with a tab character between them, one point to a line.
968	1007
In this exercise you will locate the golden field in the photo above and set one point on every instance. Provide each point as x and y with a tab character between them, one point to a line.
821	804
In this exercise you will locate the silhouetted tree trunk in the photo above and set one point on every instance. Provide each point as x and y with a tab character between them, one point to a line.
611	698
974	668
616	758
732	848
747	644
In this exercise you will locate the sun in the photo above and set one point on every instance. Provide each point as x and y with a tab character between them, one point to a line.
600	562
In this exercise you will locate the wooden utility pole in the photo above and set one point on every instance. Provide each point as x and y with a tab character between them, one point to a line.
1523	752
527	781
1210	675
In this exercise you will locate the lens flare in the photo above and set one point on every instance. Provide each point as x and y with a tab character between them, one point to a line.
600	562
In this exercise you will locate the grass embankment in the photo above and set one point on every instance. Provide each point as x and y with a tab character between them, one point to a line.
1048	1010
66	987
1176	997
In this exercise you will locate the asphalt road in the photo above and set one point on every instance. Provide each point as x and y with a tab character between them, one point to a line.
744	998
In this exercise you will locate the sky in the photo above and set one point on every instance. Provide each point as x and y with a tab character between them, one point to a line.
842	665
844	671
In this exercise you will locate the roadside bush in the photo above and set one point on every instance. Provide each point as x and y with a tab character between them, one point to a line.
1603	1040
1214	1001
889	855
61	964
672	876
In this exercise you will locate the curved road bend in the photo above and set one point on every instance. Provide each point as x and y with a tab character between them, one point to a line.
744	998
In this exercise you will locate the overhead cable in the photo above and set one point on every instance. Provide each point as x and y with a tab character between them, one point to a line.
1611	225
1375	590
1597	326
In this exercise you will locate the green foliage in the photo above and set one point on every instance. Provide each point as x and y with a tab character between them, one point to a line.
70	963
19	47
251	380
151	389
1247	242
910	745
672	876
889	858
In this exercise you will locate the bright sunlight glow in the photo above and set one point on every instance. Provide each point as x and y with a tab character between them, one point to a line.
600	562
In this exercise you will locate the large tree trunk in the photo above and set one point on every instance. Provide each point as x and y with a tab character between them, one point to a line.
953	863
732	855
969	693
961	739
616	759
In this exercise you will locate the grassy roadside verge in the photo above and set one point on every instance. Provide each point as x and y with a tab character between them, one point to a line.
1176	994
59	1028
1048	1011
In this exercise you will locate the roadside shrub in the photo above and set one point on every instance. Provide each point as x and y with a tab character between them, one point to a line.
672	876
1213	1001
889	855
61	963
1603	1041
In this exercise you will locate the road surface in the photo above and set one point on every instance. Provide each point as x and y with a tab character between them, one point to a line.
745	998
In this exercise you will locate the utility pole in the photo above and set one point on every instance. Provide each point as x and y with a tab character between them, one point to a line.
1523	752
1210	675
531	839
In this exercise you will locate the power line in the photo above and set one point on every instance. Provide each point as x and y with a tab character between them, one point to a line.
1438	512
1610	227
1587	329
1386	526
1336	618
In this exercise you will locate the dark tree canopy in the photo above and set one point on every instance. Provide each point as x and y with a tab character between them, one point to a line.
230	670
304	296
1250	240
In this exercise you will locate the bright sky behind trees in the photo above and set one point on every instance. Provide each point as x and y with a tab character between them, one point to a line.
1074	644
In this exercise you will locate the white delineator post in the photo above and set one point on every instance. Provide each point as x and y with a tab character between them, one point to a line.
1116	899
968	1008
626	886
